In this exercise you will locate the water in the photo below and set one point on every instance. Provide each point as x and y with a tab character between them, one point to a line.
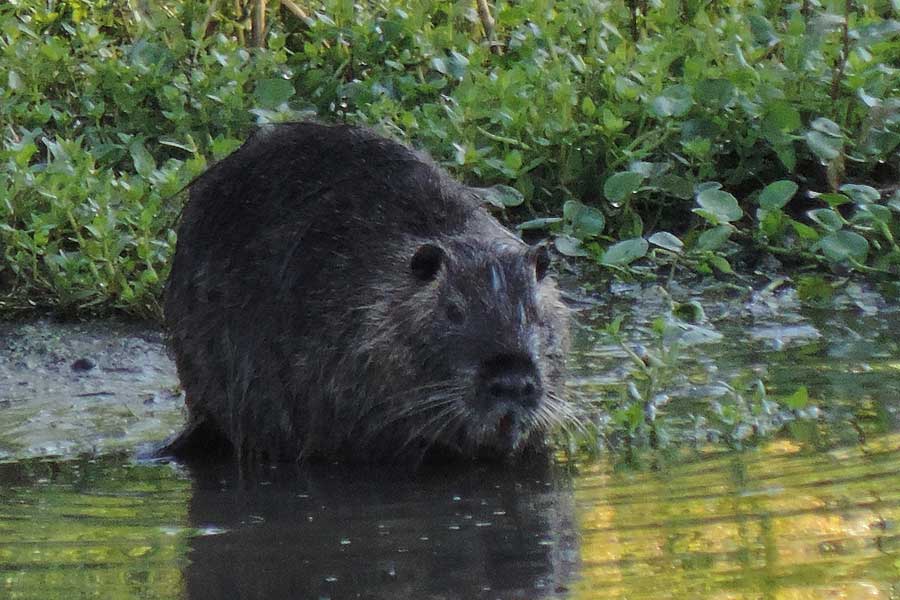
808	508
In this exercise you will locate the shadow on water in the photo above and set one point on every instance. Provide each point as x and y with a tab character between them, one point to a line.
324	532
379	533
777	522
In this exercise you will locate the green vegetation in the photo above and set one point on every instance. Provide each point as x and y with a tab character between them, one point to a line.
628	130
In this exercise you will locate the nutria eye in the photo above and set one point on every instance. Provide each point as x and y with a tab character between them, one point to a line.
426	262
541	259
455	313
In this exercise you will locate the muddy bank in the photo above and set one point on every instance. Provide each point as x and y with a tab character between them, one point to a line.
84	388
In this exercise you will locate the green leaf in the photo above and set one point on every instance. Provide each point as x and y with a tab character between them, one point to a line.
825	147
805	231
542	223
799	399
666	240
828	127
625	252
782	116
272	93
513	160
777	194
721	204
586	221
827	218
588	107
569	246
620	186
675	101
833	200
715	92
144	163
861	193
502	196
713	239
843	244
721	264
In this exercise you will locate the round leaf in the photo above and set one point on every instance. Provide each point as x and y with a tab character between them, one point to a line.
827	218
271	93
586	221
675	101
621	185
569	246
777	194
502	196
666	240
713	239
721	204
861	193
625	252
842	245
824	146
716	92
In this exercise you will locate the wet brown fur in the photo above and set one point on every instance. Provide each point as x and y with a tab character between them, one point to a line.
299	328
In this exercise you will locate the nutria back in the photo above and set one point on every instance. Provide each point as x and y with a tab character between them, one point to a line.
335	294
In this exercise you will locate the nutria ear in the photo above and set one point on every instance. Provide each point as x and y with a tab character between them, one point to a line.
540	258
426	262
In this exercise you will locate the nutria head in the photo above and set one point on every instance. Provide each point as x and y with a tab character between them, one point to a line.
477	329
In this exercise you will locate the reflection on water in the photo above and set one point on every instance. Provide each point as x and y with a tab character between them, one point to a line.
813	514
775	522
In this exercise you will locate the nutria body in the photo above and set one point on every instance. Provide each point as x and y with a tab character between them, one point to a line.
335	294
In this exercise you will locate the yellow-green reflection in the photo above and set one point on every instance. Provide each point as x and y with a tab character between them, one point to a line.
87	529
773	523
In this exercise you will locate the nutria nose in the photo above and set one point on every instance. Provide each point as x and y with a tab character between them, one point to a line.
512	379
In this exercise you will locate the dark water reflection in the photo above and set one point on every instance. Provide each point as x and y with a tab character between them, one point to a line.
774	522
376	533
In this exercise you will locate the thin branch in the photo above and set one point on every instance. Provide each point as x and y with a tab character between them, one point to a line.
845	53
295	9
488	23
259	23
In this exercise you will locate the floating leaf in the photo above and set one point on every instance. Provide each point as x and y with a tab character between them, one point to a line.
625	252
777	194
666	240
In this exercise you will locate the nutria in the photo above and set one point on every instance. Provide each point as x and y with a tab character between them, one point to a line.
336	294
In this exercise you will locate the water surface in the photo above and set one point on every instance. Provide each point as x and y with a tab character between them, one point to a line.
799	504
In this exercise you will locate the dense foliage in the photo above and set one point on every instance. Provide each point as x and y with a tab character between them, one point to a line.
627	129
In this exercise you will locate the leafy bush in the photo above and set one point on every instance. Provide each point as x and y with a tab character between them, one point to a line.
603	124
